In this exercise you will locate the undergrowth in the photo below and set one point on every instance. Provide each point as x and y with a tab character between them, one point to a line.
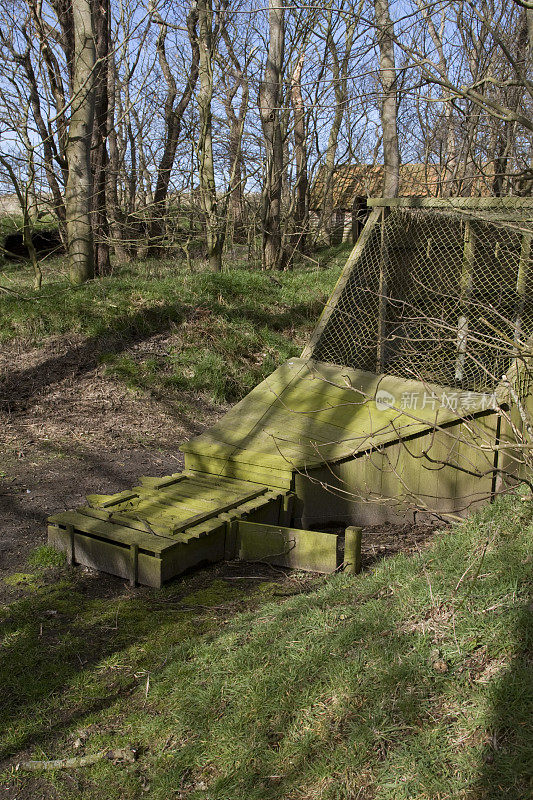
409	682
217	334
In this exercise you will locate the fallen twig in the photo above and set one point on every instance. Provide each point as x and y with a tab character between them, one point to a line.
124	754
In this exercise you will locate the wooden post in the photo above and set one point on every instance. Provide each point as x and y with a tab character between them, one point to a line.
134	564
382	298
70	551
285	514
521	282
352	550
230	541
465	293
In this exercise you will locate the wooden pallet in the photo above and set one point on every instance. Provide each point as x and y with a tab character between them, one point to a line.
164	526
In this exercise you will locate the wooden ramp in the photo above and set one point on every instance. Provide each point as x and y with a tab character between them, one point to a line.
308	414
162	527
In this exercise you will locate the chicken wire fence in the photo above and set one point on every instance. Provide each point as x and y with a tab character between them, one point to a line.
441	295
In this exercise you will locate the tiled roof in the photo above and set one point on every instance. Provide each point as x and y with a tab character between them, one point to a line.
366	180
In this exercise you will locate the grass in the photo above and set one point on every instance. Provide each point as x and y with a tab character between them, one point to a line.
411	681
219	334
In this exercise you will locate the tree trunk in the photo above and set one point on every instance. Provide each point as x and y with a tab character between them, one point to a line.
99	156
173	118
300	217
269	110
78	190
389	102
115	213
236	130
340	85
208	193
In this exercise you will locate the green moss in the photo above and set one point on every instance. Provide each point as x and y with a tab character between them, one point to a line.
20	579
45	556
217	593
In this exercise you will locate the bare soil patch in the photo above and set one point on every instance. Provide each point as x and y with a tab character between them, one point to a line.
67	429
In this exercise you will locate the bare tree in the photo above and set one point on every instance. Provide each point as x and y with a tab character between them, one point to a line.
173	114
389	101
78	151
209	29
301	200
270	92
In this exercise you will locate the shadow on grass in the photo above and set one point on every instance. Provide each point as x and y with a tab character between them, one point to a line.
507	772
20	386
57	665
331	694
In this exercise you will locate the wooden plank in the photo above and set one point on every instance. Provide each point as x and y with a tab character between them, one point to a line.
108	556
134	565
220	498
195	520
149	482
263	394
183	556
476	203
111	500
126	521
287	458
298	427
311	551
174	499
521	281
216	466
348	268
465	288
207	479
352	550
113	532
172	518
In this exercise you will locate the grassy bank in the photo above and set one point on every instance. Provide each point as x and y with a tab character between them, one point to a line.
219	334
411	681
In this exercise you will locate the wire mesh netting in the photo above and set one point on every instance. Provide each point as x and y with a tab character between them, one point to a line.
440	295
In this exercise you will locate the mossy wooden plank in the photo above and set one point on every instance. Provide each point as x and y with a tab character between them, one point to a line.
155	508
183	556
156	528
107	556
198	518
211	497
112	531
188	501
216	466
298	428
287	547
394	408
191	478
280	460
233	484
111	500
149	482
169	505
